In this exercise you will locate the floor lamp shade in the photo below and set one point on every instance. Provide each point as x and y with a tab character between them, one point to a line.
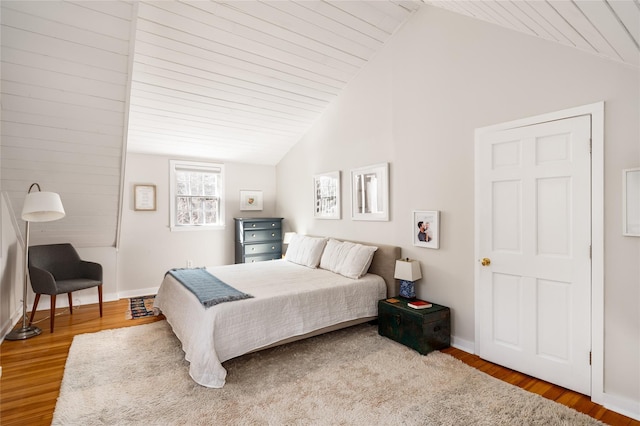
42	207
38	207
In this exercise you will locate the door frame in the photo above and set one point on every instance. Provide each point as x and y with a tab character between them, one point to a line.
596	111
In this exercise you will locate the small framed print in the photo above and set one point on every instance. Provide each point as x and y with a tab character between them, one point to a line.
250	200
144	197
425	227
326	195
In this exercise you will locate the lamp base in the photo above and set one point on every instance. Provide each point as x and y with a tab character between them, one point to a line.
23	333
407	289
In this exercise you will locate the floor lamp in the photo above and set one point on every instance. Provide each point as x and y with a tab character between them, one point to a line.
38	207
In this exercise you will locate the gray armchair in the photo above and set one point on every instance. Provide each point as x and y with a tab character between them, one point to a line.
57	269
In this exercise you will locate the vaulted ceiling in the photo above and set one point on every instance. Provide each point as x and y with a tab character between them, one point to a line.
244	80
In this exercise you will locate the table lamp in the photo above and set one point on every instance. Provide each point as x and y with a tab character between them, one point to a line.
286	240
407	271
288	236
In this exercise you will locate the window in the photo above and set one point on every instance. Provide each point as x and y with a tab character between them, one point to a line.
196	193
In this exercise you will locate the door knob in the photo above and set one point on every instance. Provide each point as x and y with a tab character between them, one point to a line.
485	261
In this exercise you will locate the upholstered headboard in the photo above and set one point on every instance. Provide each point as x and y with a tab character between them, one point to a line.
384	264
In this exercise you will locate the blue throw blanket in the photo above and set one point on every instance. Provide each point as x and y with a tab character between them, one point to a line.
209	289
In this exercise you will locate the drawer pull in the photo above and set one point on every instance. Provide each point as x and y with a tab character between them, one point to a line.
398	319
273	224
253	225
273	234
437	328
273	248
253	235
253	248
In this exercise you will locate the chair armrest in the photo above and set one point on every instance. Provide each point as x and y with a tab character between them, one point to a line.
42	282
91	270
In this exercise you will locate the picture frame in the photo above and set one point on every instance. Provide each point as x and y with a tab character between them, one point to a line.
631	202
144	197
425	228
370	193
326	196
250	200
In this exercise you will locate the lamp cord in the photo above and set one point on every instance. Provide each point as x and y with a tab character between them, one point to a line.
58	313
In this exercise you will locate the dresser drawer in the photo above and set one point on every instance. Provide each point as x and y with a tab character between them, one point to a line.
261	224
261	257
260	248
263	235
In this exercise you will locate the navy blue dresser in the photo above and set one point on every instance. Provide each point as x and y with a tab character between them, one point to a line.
258	239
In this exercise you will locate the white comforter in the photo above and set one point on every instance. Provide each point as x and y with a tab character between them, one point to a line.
289	300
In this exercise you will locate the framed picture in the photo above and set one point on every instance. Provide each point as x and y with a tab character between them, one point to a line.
250	200
370	193
144	197
425	228
631	202
326	195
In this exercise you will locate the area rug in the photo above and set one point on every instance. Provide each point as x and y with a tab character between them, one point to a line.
140	307
138	375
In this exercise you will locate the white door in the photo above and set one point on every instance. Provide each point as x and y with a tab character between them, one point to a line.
533	207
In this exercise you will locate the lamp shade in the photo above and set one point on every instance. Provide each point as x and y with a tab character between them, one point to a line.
407	270
288	236
42	207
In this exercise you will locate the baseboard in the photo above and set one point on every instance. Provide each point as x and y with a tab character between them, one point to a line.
10	323
138	292
621	405
463	345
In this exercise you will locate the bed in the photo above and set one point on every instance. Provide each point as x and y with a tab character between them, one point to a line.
318	287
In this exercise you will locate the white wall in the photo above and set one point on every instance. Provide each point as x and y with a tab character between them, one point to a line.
12	263
148	248
416	105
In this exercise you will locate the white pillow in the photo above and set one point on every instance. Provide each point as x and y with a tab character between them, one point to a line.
346	258
334	255
305	250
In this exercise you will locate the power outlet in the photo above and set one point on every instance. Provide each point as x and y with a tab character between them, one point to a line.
189	263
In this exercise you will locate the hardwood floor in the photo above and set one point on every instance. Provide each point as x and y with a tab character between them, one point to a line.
32	369
555	393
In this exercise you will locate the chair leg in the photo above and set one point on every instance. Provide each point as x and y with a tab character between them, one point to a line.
53	310
100	298
35	306
70	303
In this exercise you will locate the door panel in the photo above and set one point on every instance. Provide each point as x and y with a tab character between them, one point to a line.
533	207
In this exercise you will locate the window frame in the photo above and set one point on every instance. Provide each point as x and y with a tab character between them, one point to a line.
195	166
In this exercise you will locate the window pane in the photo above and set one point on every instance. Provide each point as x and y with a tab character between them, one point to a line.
182	183
210	184
195	180
211	210
197	212
183	213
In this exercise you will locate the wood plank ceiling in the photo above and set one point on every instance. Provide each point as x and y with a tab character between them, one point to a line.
244	80
608	28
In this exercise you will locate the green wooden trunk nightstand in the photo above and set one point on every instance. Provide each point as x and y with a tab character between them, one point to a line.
424	330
